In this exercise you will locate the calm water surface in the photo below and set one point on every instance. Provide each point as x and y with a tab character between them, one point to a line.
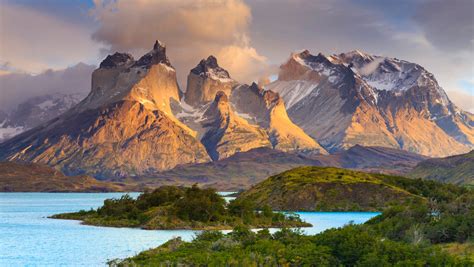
29	238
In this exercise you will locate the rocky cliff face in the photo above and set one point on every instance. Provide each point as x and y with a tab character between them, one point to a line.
124	127
134	122
234	121
227	133
355	98
267	109
205	80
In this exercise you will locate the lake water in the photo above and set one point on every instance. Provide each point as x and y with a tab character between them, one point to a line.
29	238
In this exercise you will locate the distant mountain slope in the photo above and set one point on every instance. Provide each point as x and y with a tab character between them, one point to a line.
30	177
457	169
35	111
244	169
233	173
373	159
326	189
356	98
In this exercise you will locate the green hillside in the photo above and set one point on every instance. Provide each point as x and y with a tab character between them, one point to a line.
457	169
334	189
435	228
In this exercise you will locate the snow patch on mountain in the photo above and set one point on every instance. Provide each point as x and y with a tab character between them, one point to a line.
36	110
292	91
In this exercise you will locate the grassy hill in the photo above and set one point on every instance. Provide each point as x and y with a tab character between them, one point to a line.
334	189
457	169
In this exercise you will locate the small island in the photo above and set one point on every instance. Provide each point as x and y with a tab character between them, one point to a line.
171	207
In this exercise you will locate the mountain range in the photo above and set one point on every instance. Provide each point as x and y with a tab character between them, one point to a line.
244	169
136	122
356	98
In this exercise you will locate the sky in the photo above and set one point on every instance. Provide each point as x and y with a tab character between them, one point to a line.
250	38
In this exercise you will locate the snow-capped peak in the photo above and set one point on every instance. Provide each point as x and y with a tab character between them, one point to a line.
357	53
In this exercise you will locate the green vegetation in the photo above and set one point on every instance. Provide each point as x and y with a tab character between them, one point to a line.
334	189
348	246
436	229
171	207
457	169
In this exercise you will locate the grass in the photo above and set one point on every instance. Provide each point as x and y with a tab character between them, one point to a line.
335	189
462	250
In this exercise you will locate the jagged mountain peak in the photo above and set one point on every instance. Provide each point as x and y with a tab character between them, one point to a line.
156	56
117	60
125	126
205	64
210	68
205	80
309	60
158	45
356	53
376	100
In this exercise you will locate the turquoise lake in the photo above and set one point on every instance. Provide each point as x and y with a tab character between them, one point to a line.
29	238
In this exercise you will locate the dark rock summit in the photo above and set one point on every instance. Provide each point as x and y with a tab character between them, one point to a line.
205	80
209	67
155	56
116	60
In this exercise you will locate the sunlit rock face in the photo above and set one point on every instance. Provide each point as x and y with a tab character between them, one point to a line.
205	80
355	98
124	127
135	121
267	109
227	133
245	106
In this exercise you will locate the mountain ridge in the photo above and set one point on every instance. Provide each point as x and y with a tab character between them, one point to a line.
408	110
136	122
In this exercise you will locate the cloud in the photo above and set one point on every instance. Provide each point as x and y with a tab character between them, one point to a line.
33	41
192	30
18	87
462	99
279	27
449	25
